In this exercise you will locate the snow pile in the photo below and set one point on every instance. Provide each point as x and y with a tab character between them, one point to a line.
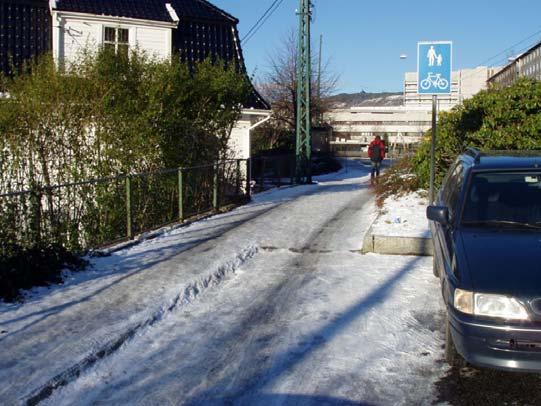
403	216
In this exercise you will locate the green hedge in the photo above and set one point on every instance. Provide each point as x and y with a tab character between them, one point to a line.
41	265
496	119
102	116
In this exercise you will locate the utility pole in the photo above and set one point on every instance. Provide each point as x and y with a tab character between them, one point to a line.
320	115
304	74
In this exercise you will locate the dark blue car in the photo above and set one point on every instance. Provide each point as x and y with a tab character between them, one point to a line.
486	228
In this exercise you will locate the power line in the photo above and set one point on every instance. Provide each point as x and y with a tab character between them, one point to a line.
262	20
511	48
276	4
504	61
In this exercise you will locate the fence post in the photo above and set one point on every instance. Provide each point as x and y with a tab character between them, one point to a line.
129	226
292	164
249	178
180	195
35	203
262	177
237	186
277	171
215	202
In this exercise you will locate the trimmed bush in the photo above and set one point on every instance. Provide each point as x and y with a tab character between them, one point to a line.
103	116
496	119
25	268
398	180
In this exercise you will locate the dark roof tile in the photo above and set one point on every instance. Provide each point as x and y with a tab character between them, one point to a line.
148	9
141	9
201	9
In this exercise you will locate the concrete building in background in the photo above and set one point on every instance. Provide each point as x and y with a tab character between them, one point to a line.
354	128
526	65
401	126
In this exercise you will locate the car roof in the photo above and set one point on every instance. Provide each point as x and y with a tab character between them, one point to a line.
492	160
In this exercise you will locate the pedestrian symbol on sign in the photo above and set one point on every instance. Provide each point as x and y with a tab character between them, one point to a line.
434	57
431	56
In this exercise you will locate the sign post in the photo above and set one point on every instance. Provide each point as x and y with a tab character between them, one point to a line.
434	68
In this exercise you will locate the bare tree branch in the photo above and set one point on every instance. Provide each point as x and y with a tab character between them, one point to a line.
279	87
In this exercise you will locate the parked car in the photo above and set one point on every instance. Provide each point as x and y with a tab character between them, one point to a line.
486	228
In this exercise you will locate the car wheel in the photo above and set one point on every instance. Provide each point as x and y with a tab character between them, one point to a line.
452	356
435	268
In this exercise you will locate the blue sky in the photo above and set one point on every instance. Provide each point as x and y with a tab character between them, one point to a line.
364	38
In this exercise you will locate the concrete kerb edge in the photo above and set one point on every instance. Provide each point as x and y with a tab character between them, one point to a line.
368	241
395	245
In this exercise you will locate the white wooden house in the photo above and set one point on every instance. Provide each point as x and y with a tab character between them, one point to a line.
193	29
79	25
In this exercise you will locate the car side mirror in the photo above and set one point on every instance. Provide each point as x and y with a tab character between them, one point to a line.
439	214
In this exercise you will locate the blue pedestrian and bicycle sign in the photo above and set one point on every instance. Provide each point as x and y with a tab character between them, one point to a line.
434	67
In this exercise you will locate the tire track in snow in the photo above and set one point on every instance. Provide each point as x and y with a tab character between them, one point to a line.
252	371
190	293
255	333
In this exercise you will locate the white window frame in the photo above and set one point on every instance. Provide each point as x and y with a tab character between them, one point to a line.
116	42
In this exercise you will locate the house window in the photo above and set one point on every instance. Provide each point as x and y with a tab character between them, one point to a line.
117	39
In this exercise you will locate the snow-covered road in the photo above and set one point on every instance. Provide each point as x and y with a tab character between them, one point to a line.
276	306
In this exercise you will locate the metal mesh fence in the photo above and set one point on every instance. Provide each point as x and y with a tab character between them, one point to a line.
85	215
275	171
76	216
91	214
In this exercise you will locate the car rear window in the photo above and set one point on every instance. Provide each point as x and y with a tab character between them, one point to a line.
504	196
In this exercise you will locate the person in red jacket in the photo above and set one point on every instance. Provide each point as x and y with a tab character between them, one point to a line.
376	153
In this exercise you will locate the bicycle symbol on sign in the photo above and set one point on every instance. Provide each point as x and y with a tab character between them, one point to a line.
434	80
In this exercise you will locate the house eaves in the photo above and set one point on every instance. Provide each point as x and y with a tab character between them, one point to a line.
202	10
150	10
116	19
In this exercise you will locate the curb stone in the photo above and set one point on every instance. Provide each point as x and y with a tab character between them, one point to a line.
394	245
